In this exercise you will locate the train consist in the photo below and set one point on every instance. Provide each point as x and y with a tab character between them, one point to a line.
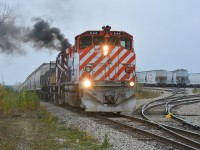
179	78
151	78
96	74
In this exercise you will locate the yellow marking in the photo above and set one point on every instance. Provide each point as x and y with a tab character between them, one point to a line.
169	115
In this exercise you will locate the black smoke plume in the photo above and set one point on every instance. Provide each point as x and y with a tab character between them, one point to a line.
10	38
42	35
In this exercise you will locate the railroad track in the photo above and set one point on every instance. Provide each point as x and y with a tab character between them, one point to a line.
187	100
165	136
162	107
155	131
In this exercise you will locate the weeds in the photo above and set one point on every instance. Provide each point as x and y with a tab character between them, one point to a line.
38	129
14	102
105	144
146	94
195	90
140	93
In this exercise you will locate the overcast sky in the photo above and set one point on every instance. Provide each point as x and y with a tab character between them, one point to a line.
166	32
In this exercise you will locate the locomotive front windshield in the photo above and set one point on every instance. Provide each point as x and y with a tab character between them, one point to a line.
85	42
98	40
112	40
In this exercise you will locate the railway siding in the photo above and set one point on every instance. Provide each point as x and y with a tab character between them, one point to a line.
190	112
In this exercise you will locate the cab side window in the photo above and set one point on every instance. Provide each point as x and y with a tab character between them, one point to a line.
125	42
85	42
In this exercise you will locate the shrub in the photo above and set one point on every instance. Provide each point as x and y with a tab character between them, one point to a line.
195	90
141	93
27	100
11	101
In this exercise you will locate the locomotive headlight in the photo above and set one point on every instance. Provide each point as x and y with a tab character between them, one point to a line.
86	83
105	50
131	83
105	53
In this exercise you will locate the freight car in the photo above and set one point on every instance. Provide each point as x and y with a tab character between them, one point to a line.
141	77
96	74
37	80
180	78
170	81
157	77
152	78
45	80
177	78
194	79
162	78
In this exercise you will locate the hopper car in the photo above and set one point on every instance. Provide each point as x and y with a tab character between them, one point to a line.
162	78
152	78
194	80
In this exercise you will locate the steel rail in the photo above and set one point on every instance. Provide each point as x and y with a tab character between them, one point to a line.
167	108
170	129
192	145
181	131
183	121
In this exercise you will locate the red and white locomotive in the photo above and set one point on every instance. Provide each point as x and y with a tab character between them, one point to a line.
98	73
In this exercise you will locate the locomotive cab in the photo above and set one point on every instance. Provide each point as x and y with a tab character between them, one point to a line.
104	38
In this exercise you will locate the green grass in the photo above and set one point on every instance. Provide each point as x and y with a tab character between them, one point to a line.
146	94
141	93
35	128
14	102
39	130
195	90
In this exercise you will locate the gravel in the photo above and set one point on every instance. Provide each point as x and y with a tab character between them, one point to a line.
119	140
190	111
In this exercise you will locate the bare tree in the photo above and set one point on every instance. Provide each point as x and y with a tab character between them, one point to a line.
5	18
